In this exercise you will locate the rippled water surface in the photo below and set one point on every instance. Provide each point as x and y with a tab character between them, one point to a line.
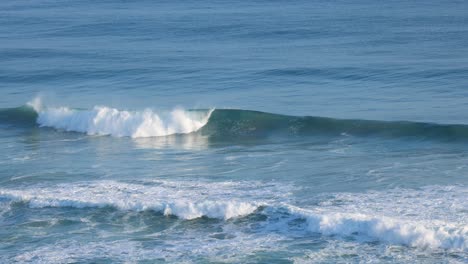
233	132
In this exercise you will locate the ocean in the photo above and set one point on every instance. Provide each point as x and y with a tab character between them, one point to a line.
233	131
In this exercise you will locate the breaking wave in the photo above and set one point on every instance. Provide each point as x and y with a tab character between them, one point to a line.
110	121
219	124
357	215
161	197
386	229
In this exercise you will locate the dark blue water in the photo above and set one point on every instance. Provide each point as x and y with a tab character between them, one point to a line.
240	132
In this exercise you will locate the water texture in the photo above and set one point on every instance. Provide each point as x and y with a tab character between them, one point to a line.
233	131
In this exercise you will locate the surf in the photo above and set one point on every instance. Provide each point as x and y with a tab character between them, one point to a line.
227	201
218	124
102	120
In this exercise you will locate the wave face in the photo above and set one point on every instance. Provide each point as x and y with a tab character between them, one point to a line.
219	124
243	123
110	121
19	116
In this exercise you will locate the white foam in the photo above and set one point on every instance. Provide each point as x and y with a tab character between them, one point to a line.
187	201
430	217
386	229
440	203
179	248
341	251
103	120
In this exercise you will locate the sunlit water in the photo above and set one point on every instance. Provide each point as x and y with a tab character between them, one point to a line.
238	132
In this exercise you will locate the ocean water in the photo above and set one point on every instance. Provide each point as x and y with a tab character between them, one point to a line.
233	131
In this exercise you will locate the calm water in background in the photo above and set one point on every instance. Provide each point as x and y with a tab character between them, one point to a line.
135	180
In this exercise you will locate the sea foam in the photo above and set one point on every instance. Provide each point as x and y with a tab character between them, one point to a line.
430	217
102	120
390	230
167	198
361	217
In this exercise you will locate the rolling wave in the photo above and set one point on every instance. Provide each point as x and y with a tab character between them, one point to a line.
385	229
244	123
221	124
110	121
227	200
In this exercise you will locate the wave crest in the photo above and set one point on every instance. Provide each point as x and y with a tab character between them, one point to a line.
220	124
103	120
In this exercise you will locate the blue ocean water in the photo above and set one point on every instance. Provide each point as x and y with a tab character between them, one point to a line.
233	131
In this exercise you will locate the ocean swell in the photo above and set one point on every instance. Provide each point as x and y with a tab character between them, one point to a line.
255	124
219	124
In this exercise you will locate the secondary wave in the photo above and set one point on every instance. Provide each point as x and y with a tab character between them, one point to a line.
385	229
219	124
185	200
226	200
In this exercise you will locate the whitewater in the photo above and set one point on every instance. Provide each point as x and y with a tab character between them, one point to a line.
103	120
188	200
225	123
250	208
282	132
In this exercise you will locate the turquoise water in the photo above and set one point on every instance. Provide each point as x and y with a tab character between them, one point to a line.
233	132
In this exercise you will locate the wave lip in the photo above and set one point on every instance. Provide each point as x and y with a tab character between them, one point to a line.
103	120
110	121
220	124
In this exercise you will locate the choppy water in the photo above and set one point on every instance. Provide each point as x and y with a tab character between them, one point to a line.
238	132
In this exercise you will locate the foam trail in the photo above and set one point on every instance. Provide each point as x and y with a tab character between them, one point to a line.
186	202
386	229
227	200
103	120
